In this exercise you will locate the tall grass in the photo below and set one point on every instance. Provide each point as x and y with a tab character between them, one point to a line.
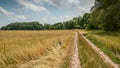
17	48
109	42
88	57
53	58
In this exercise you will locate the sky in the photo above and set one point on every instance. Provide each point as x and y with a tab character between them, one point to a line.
43	11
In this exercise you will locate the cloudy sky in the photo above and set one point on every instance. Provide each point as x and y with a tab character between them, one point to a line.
44	11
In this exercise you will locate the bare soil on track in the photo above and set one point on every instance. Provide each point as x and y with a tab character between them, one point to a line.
75	62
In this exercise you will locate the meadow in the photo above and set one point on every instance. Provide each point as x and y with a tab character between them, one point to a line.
108	42
31	49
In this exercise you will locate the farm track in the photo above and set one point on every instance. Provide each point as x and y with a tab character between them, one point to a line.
105	58
75	63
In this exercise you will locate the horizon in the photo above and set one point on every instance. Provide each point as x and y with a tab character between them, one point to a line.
43	11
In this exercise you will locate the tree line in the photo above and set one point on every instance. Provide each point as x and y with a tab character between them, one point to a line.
75	23
105	15
72	24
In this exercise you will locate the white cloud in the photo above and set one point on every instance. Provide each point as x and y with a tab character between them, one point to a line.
38	5
75	6
80	9
60	18
73	2
5	12
31	6
55	19
12	15
21	17
58	3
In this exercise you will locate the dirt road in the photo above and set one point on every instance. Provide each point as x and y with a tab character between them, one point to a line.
75	63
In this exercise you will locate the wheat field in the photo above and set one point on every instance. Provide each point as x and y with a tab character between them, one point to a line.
33	49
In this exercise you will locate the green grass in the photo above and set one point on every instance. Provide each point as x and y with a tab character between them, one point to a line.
108	42
88	57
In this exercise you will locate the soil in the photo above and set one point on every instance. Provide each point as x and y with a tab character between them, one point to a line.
75	62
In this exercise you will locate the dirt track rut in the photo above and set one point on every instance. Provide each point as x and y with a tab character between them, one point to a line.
75	63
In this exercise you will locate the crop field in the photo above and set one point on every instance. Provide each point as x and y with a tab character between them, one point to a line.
19	49
56	49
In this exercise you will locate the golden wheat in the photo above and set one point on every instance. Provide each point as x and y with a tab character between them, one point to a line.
21	48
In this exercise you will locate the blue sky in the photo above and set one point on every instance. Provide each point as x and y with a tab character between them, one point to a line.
44	11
